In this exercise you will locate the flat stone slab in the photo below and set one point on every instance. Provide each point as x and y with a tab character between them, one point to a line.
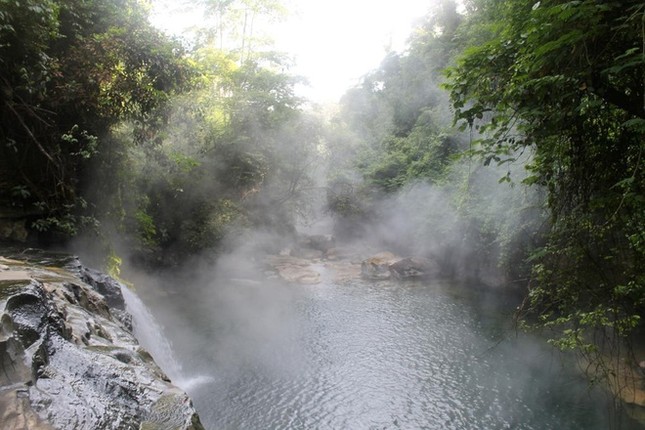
14	275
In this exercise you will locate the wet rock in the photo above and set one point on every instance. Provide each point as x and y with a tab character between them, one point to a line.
13	369
309	254
378	266
414	267
16	412
386	265
292	269
66	362
299	274
170	412
105	285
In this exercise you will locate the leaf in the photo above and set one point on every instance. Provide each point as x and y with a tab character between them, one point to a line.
565	41
621	67
637	125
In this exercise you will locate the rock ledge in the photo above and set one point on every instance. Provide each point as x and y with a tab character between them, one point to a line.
70	361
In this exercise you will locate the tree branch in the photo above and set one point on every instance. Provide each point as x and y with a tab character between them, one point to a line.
31	134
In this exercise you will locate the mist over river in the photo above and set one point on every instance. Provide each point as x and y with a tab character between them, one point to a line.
364	355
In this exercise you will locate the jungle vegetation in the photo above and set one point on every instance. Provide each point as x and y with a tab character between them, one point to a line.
111	128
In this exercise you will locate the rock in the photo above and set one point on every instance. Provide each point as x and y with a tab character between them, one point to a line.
386	265
378	266
274	261
13	229
66	361
414	267
16	411
298	274
293	269
105	285
306	253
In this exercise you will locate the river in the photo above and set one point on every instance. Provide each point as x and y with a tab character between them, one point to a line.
365	355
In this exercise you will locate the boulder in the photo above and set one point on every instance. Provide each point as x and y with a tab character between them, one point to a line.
378	266
386	265
105	285
414	267
68	363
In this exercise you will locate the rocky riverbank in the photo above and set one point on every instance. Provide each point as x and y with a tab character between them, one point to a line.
69	359
315	258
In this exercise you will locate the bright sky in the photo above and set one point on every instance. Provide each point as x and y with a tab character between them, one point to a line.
334	42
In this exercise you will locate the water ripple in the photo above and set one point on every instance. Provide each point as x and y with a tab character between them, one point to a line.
381	356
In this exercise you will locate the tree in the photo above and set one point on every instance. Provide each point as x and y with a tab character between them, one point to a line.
565	80
236	154
396	111
70	71
234	26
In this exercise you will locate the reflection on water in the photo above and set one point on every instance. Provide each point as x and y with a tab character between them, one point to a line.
367	356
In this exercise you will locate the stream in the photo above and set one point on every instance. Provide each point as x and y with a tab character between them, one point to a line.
362	355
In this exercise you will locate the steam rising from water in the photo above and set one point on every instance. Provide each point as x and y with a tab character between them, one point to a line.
360	355
224	317
257	353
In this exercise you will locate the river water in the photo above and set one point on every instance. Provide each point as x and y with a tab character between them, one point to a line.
363	355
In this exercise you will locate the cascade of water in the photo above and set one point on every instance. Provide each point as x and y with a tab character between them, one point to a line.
150	335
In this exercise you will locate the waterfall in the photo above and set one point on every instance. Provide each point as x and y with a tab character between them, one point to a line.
150	335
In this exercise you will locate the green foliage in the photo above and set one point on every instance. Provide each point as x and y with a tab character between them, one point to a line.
565	80
113	265
233	23
397	110
86	143
209	224
230	147
71	70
